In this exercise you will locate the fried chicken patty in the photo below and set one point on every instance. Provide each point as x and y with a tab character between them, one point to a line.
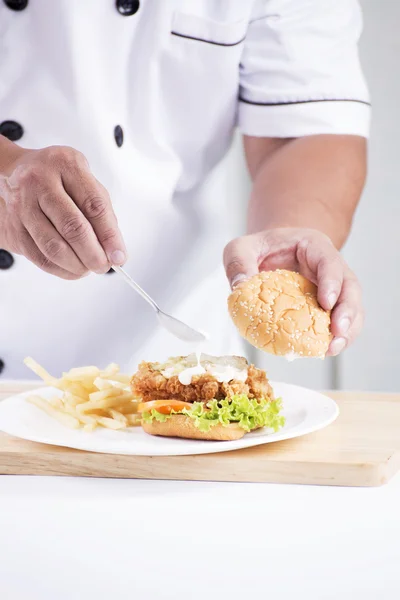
151	384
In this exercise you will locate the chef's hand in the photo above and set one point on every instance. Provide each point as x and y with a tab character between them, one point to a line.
311	253
54	212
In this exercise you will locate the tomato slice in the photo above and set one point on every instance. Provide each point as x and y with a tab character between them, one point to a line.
163	406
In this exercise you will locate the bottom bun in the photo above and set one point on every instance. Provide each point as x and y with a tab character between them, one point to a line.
183	427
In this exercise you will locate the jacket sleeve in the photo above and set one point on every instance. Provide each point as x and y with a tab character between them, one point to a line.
300	72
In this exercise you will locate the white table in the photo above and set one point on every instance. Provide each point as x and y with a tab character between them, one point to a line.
73	539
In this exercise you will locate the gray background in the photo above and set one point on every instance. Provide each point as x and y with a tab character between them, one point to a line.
373	250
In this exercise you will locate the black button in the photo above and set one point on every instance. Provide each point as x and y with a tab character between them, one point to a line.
127	7
2	365
110	271
11	130
17	4
6	260
119	135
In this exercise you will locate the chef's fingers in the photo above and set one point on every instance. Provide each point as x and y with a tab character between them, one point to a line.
330	280
29	249
94	202
241	259
320	262
338	288
74	228
347	316
50	242
338	344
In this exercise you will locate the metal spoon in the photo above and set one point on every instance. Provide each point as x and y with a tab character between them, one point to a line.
174	326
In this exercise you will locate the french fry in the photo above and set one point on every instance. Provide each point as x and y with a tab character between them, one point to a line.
120	386
104	404
121	378
110	423
133	419
90	398
103	394
115	414
88	385
41	372
103	384
82	418
126	397
111	369
129	408
90	427
80	373
56	402
72	400
62	417
75	388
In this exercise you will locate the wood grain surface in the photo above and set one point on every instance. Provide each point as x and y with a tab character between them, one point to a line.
362	448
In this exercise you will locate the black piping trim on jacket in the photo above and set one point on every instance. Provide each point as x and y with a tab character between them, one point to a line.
303	101
196	39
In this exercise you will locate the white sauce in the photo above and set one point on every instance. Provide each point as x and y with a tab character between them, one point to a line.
225	373
169	372
291	356
185	376
222	373
198	356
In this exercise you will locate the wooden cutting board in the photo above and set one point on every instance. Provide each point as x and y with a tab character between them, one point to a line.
362	448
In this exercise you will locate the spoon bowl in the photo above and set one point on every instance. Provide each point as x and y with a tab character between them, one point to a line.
177	328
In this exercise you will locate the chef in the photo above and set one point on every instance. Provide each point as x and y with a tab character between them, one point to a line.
113	115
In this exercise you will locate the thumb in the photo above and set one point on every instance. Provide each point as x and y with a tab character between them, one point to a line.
241	259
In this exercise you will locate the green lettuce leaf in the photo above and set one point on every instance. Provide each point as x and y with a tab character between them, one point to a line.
148	417
248	413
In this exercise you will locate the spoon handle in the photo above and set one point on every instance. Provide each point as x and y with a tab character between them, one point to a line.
136	287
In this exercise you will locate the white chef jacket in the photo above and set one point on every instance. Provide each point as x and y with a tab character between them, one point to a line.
151	93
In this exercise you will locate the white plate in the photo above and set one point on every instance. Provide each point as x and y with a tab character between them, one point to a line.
305	411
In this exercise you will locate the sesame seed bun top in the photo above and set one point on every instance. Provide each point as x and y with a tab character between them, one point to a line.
278	312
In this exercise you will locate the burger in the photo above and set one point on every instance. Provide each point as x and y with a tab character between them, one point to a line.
205	398
278	312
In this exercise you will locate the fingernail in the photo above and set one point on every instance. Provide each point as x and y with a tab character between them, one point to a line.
332	297
238	279
344	325
337	346
117	257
